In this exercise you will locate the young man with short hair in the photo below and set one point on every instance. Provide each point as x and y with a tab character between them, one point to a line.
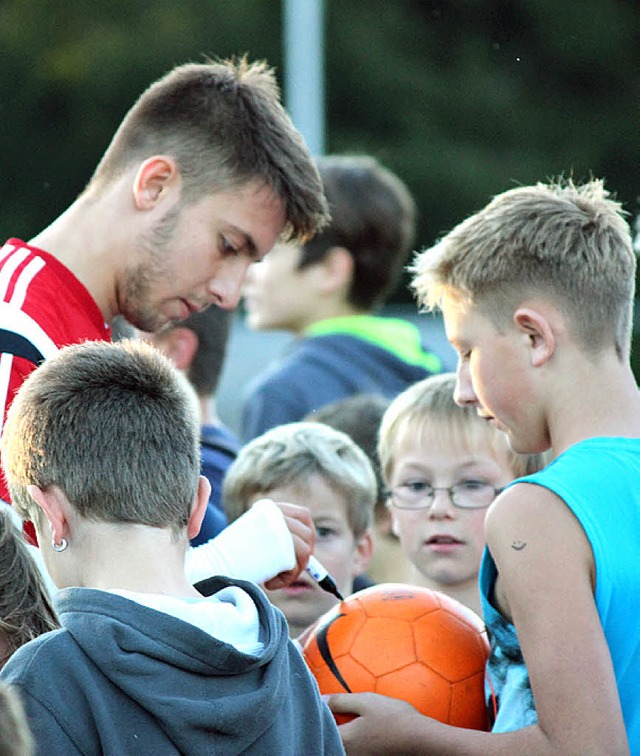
204	174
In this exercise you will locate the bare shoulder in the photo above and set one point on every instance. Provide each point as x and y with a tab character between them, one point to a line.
534	538
545	586
525	514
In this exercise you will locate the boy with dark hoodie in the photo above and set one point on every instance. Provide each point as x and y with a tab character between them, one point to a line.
327	291
101	452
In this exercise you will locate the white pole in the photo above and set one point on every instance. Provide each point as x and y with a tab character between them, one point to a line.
304	69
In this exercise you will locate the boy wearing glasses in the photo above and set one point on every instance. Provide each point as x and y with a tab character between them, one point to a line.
443	465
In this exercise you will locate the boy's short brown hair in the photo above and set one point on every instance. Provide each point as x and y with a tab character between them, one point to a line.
224	124
113	426
564	241
212	328
289	454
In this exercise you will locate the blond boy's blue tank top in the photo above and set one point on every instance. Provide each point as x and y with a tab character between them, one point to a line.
599	480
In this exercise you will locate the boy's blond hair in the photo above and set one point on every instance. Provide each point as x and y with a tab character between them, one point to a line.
114	427
288	455
560	240
428	407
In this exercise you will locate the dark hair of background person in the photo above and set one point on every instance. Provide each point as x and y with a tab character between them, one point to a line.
359	417
373	216
212	327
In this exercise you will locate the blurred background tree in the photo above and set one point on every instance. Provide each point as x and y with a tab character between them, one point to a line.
463	98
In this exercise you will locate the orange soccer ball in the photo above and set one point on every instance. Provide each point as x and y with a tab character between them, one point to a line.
405	642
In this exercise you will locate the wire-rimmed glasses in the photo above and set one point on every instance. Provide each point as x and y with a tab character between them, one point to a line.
419	494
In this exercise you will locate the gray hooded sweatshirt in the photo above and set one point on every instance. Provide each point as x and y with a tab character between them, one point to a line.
121	678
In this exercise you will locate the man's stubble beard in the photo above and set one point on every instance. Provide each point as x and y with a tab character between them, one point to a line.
135	302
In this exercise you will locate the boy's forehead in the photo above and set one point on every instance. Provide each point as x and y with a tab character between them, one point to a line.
312	490
460	431
462	442
465	320
457	315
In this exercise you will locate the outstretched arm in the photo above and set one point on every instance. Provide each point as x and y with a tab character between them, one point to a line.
388	726
271	542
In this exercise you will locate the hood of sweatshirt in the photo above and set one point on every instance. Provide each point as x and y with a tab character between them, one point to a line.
127	674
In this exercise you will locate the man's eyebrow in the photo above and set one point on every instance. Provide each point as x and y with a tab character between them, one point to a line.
248	243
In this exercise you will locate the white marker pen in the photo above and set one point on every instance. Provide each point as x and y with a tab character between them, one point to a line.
322	577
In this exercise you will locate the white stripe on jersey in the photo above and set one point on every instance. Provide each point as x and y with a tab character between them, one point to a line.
6	362
10	268
14	320
6	250
22	324
25	278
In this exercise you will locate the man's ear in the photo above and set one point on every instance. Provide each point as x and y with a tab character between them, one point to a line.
179	344
362	555
199	507
53	505
337	268
154	178
539	332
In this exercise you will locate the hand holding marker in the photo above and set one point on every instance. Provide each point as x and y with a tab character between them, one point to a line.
322	577
313	568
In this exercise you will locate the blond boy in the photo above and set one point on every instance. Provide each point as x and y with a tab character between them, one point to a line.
312	465
537	295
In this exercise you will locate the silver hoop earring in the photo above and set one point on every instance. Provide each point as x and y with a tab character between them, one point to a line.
59	546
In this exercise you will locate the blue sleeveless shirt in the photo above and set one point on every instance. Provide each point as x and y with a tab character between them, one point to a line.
599	480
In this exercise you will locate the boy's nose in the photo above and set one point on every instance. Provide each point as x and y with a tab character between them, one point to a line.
464	395
442	505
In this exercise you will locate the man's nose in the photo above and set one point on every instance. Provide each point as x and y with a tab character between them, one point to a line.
225	287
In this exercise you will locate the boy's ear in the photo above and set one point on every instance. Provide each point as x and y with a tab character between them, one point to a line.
362	555
395	530
154	177
53	505
538	329
384	519
337	267
199	507
180	344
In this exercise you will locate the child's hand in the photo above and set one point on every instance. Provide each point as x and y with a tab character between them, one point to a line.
303	534
383	725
